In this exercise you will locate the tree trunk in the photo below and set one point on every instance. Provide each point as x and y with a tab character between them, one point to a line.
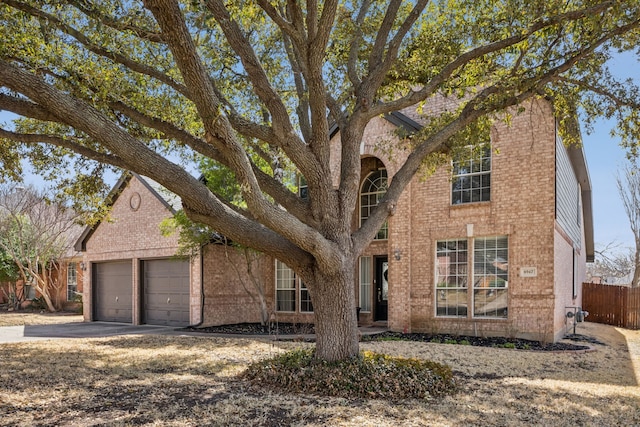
43	286
635	283
334	305
47	299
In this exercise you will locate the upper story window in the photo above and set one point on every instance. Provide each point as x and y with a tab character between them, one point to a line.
373	190
472	176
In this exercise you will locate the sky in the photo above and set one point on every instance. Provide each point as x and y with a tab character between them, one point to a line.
604	158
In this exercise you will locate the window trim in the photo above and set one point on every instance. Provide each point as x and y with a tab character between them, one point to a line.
457	288
302	287
486	152
303	187
369	283
384	226
472	278
298	288
504	288
72	267
277	288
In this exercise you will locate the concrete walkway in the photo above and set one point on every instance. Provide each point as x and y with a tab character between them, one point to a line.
12	334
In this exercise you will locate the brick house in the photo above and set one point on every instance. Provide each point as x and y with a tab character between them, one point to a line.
134	275
65	274
66	289
494	244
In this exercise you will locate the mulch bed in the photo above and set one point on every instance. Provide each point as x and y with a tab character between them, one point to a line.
293	330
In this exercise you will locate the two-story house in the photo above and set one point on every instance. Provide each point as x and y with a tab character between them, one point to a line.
495	243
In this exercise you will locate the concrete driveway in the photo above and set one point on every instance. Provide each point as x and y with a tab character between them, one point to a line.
9	334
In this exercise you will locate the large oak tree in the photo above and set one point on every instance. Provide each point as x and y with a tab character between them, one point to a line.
255	86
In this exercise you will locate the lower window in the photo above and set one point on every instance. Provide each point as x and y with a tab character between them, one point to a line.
72	281
488	276
491	275
451	278
288	287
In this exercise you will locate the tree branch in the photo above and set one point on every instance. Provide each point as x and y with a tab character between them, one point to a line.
356	43
116	24
68	143
420	95
26	108
604	92
99	50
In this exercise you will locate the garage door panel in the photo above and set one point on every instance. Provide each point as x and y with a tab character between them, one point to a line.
113	292
166	292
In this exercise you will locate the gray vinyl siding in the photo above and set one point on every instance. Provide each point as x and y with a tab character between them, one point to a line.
568	206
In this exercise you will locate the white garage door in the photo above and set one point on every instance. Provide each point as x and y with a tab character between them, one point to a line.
166	292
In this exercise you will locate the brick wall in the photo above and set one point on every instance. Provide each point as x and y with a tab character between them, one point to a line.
229	293
132	233
522	207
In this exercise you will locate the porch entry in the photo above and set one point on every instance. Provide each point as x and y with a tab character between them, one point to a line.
382	288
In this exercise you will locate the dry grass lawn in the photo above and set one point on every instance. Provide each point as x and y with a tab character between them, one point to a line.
191	381
20	318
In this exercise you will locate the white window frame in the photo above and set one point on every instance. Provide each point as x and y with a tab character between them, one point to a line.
494	279
383	233
298	288
72	280
283	284
303	187
475	158
365	284
485	282
303	289
460	277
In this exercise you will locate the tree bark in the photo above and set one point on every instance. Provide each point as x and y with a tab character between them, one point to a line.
44	292
635	283
334	305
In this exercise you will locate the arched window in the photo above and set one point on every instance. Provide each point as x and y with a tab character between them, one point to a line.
373	189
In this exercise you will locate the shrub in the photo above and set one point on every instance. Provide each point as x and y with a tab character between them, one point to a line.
39	303
370	375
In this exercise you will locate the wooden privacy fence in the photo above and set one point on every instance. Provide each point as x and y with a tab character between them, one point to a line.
612	305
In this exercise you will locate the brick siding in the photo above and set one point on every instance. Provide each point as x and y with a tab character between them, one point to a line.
522	207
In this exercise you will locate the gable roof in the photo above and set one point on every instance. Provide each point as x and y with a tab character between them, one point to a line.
170	200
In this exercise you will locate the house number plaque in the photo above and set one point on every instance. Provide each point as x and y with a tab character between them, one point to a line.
528	272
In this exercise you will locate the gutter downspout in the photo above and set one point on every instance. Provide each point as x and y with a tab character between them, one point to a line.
201	290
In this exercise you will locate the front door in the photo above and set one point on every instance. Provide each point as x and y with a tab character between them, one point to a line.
382	288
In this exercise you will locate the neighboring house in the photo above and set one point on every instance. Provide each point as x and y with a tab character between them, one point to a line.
66	290
66	275
494	244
